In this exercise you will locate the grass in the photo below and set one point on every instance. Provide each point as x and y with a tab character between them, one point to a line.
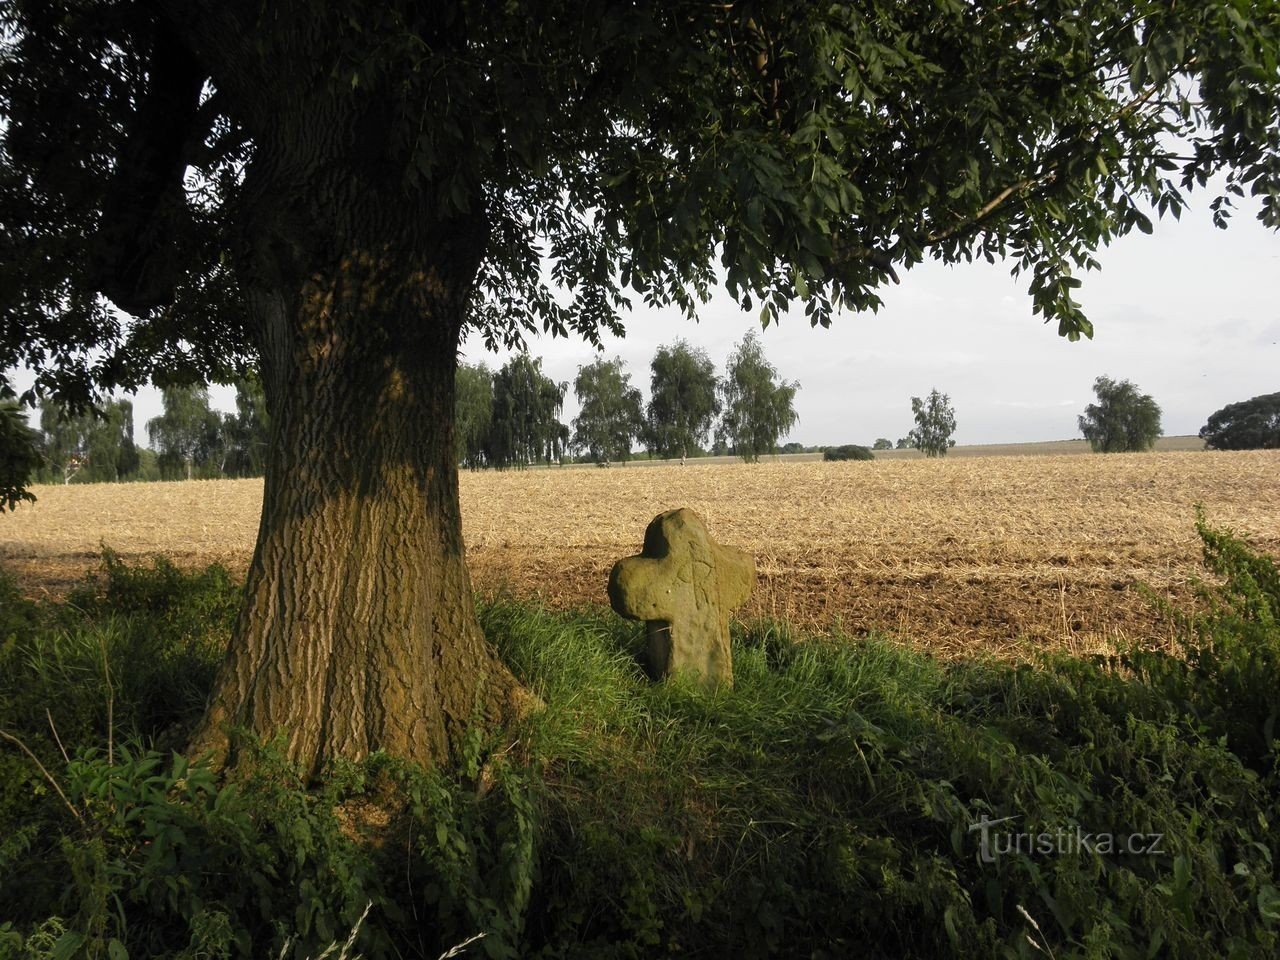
821	808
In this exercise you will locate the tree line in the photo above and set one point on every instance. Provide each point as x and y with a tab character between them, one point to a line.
188	440
511	417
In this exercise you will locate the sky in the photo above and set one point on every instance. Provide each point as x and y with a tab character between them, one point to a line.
1190	314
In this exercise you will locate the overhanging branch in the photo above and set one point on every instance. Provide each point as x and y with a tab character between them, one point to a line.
143	203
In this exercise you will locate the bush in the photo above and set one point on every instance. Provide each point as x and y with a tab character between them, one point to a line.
850	451
824	806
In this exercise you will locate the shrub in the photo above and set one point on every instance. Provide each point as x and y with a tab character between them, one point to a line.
850	451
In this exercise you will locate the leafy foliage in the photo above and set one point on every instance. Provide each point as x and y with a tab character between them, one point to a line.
19	456
526	426
882	443
582	833
473	414
684	401
244	436
1122	420
611	411
187	434
635	147
94	446
630	819
935	423
850	451
1227	651
1247	425
757	408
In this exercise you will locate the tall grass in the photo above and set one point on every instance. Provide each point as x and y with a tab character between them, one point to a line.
823	807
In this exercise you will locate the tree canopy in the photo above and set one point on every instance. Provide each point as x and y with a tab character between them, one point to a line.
758	407
611	414
683	400
1123	420
188	434
91	446
803	150
245	434
473	414
19	456
525	422
935	423
1247	425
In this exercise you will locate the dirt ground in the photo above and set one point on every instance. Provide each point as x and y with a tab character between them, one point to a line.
998	554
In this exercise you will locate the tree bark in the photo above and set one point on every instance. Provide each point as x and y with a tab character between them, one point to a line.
358	631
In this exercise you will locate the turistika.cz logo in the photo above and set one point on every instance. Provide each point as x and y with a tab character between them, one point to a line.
994	843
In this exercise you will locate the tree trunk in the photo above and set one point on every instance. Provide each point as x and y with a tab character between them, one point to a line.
358	631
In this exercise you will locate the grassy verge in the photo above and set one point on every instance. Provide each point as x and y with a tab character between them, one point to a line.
841	800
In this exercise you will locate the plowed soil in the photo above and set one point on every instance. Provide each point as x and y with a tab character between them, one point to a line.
996	554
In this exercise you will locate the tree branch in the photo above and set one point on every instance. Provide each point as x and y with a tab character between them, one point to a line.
144	200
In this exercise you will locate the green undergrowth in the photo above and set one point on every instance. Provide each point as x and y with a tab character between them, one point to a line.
831	804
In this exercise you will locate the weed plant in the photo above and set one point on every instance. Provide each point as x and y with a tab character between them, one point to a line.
829	805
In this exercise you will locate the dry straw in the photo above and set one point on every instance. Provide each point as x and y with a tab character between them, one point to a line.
1002	554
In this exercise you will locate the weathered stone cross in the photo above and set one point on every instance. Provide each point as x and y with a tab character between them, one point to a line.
684	585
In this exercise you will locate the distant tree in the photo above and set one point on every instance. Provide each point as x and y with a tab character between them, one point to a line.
119	422
473	414
882	443
94	446
188	435
1122	420
758	408
905	443
1247	425
526	426
792	447
849	451
245	434
63	438
19	456
935	423
683	401
611	414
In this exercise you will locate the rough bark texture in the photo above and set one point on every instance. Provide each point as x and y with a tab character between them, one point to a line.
358	631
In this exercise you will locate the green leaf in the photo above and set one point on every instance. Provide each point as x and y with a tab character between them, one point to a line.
802	285
67	945
1269	902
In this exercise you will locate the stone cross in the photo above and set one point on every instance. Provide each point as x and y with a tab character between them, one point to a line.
683	585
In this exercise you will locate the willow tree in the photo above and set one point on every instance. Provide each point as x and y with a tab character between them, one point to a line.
341	189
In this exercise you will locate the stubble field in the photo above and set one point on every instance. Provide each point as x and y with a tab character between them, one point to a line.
997	554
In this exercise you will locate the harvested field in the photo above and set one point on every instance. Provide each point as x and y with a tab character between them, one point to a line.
1002	554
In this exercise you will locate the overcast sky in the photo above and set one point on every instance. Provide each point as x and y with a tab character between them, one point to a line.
1190	314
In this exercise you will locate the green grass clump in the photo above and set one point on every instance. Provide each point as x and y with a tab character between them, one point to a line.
823	807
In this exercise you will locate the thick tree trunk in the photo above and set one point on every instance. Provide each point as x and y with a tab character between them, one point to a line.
358	631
